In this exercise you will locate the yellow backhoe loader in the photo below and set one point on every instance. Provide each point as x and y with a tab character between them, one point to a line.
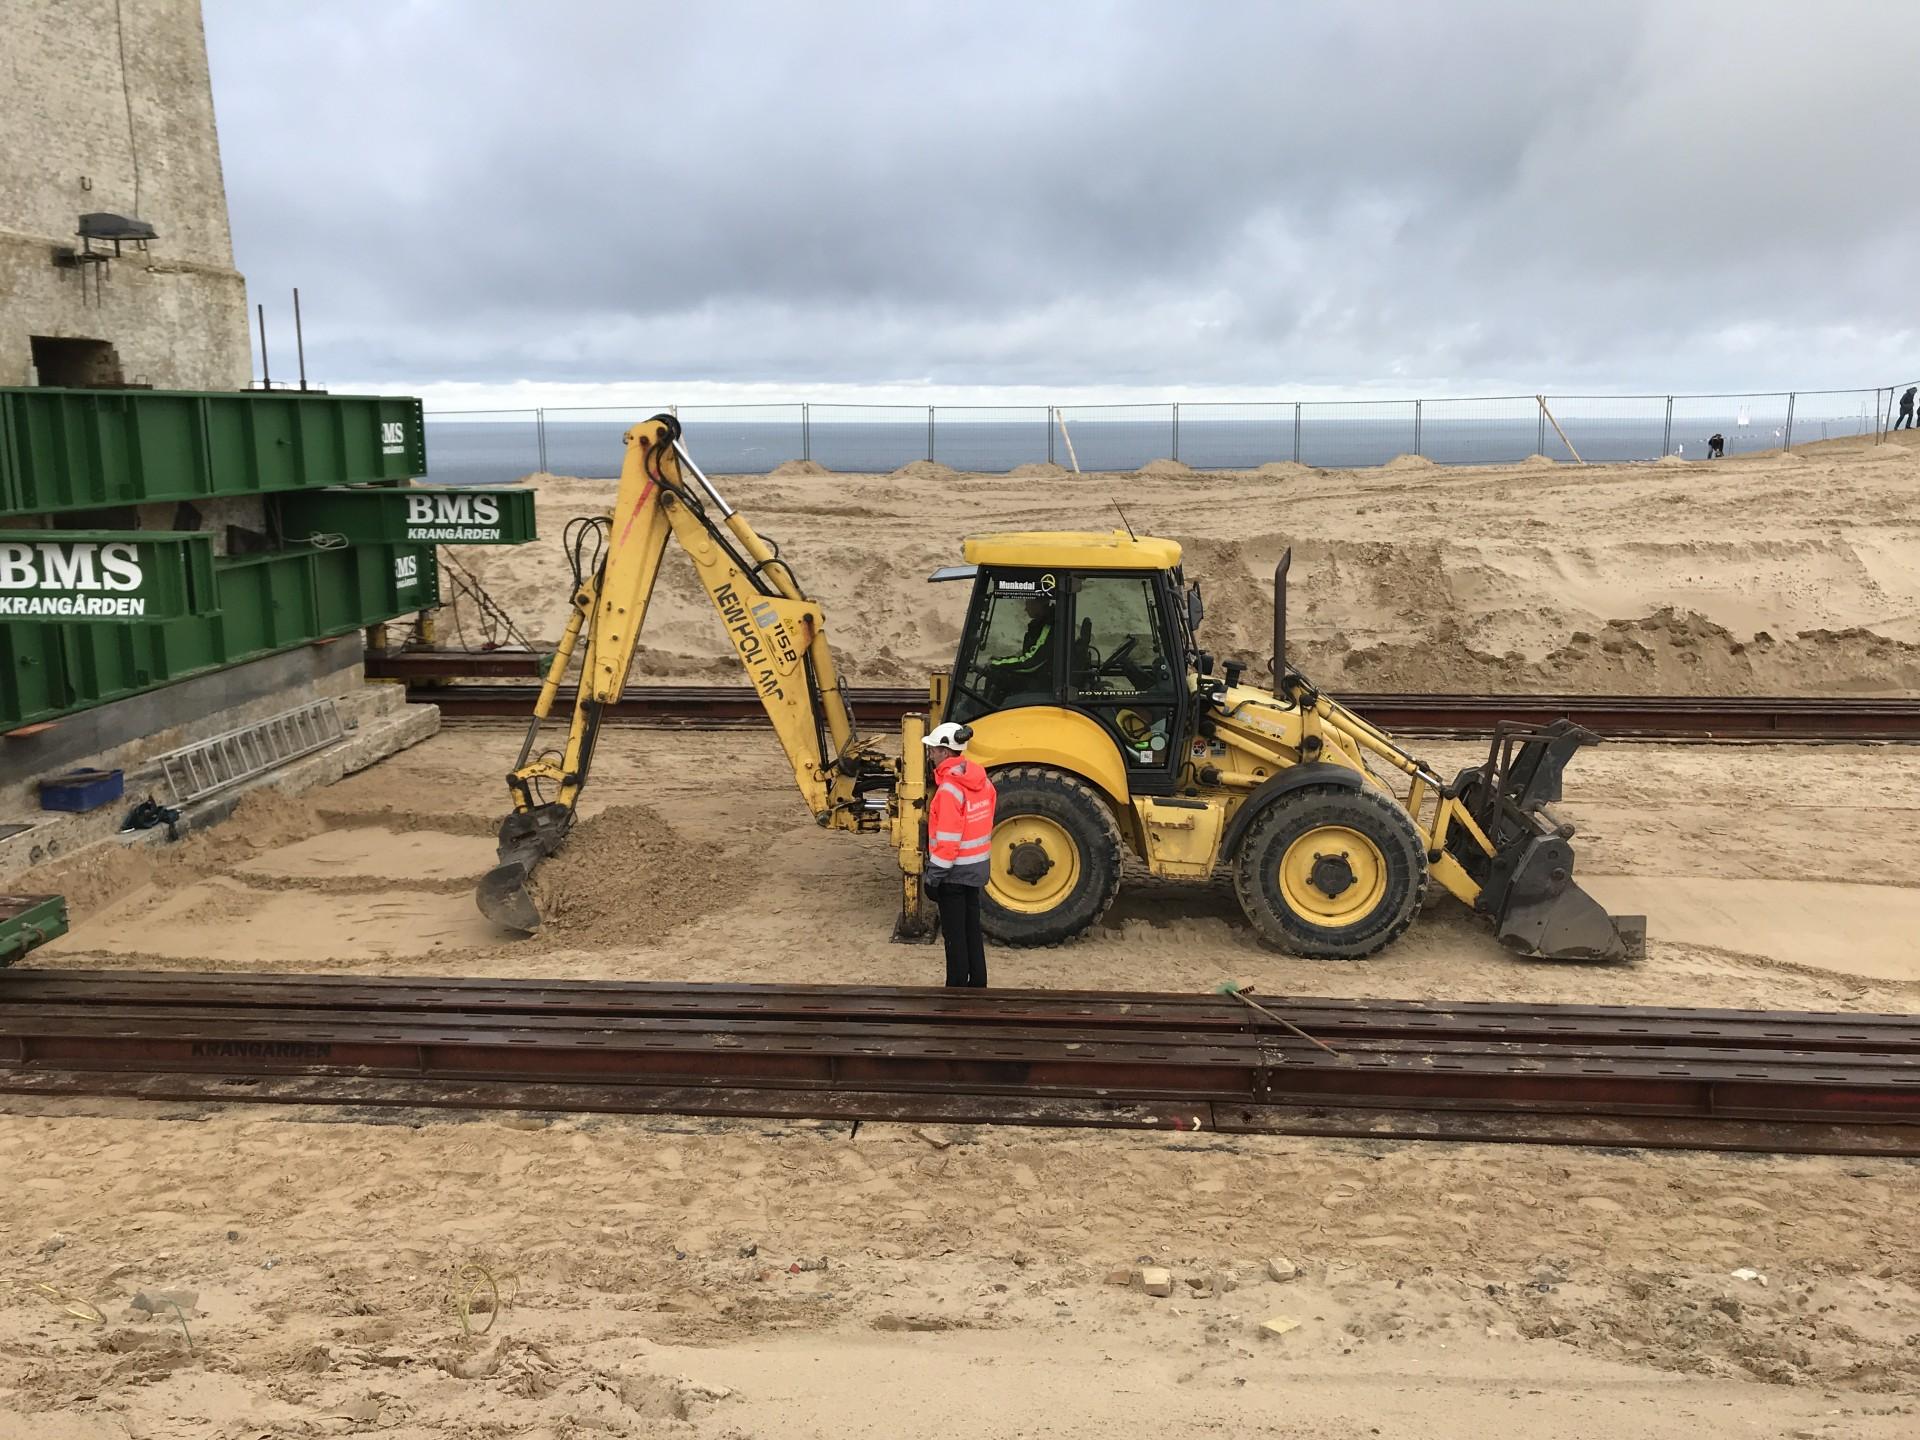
1105	729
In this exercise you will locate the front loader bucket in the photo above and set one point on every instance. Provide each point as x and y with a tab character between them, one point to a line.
1544	913
1527	886
527	837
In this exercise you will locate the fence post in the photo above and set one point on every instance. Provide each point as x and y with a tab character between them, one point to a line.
1792	395
1050	434
540	436
1666	435
929	434
1416	429
806	431
1176	430
1540	432
1296	432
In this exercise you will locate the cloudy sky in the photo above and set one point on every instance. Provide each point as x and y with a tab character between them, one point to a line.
491	201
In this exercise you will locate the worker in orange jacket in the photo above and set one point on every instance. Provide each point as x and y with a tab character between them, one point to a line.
959	849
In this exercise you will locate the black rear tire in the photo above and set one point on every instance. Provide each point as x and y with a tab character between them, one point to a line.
1072	854
1375	873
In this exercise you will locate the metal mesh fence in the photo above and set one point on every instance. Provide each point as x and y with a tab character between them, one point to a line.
1745	424
482	447
1343	433
1499	430
1603	427
1234	436
743	439
993	437
1836	414
491	446
587	442
869	439
1114	437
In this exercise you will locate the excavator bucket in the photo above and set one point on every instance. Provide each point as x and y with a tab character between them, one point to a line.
527	837
1527	886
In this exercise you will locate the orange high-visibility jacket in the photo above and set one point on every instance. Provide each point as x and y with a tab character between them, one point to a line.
959	824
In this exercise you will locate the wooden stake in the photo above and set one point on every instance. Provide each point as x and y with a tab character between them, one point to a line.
1557	430
1069	439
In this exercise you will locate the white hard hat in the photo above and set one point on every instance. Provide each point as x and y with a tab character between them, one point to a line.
950	736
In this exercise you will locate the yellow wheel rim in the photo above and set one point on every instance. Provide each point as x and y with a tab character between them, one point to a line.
1055	847
1333	876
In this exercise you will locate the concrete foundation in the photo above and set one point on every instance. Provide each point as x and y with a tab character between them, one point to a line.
129	734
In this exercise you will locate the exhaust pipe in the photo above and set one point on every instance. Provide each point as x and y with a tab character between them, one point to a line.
1280	615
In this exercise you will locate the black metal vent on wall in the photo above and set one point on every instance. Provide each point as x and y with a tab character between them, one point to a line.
104	228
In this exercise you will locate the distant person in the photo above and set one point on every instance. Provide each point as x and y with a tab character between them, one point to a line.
1716	446
1906	409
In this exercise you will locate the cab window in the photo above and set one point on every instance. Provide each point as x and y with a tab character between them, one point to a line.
1119	650
1012	660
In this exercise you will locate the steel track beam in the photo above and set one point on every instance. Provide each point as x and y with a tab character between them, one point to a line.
932	1053
1736	717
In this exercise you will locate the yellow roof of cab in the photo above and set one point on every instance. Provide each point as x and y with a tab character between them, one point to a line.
1072	550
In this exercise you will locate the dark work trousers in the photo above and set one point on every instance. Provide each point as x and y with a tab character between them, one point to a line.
1906	419
960	928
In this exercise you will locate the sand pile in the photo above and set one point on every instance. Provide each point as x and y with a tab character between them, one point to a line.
1039	469
628	877
1783	576
1165	467
924	470
788	468
1669	653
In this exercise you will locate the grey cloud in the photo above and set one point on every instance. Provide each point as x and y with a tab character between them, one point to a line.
1078	194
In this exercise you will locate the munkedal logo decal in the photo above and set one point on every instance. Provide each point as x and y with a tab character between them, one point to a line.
446	518
406	571
393	437
1043	587
84	578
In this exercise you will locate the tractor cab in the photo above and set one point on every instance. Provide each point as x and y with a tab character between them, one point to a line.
1079	673
1097	624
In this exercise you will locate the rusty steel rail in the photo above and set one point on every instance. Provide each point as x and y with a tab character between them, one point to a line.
431	675
1325	1018
1727	1079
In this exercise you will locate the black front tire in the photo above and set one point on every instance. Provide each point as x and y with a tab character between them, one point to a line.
1397	854
1072	808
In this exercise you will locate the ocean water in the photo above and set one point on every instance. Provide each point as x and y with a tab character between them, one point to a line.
466	451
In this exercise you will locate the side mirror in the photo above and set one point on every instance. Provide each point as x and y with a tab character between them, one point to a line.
1196	611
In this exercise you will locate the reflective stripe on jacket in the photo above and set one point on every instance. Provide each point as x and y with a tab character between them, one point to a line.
1038	633
960	823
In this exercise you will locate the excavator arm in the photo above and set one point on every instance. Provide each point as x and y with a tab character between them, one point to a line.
778	633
